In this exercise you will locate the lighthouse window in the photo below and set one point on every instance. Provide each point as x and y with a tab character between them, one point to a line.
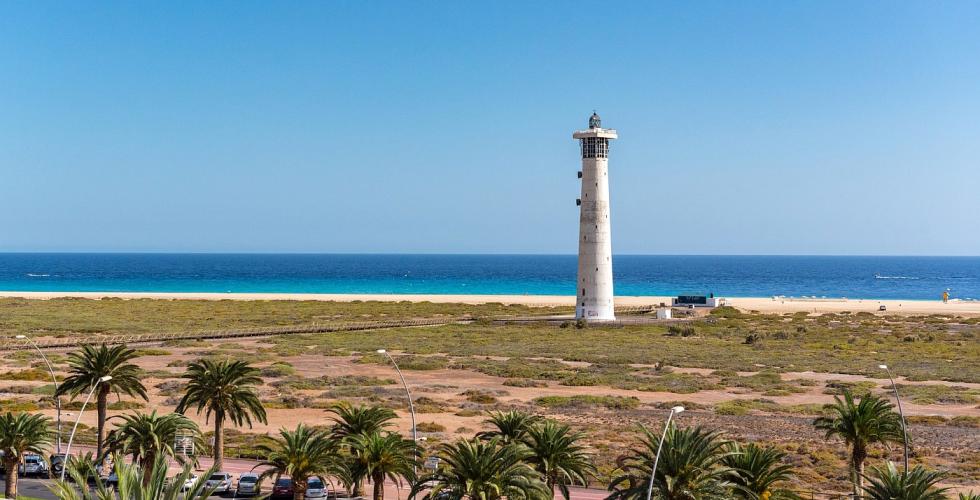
583	292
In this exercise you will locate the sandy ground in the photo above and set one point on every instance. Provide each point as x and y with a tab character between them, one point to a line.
761	304
446	386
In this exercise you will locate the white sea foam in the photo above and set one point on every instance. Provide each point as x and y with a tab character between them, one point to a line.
32	275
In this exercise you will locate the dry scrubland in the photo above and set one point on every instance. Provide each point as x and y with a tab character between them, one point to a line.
757	377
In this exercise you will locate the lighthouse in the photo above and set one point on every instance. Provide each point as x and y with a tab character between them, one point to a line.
594	297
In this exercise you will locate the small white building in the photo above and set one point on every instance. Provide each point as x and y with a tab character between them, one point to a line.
663	313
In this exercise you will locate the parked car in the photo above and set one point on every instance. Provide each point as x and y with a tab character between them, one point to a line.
221	482
248	485
315	488
34	465
57	462
190	482
283	488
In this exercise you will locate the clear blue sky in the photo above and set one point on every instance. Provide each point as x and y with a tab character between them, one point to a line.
445	127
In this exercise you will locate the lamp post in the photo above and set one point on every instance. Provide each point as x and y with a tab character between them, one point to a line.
653	473
411	406
57	399
71	437
905	435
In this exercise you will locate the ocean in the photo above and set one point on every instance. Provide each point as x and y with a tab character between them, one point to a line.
731	276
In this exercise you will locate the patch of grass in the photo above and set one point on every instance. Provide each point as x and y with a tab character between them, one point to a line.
524	382
317	383
583	401
965	421
34	374
768	382
149	351
746	406
426	404
678	383
836	387
937	394
430	427
479	397
278	369
17	405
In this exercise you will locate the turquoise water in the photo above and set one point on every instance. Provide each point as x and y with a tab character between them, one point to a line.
734	276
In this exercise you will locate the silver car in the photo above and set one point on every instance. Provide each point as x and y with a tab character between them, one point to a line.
34	465
221	482
248	485
315	488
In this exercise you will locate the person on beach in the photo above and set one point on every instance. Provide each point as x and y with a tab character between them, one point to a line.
946	296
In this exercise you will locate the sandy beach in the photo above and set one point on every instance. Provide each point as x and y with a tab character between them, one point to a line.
761	304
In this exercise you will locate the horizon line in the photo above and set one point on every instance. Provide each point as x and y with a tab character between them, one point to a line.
448	254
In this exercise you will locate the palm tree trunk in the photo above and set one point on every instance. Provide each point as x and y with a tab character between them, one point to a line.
219	441
379	486
858	456
102	404
299	489
147	466
10	489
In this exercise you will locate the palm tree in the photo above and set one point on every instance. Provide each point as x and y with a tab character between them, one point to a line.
226	390
129	485
557	456
350	421
482	470
887	483
299	454
383	456
20	434
88	367
860	425
969	496
757	472
147	436
509	426
690	466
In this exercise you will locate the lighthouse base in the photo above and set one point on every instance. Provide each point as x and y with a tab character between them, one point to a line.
595	313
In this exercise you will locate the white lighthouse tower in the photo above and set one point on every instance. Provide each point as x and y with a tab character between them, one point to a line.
594	298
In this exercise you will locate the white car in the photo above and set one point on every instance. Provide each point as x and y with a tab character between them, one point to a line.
315	488
248	485
34	465
221	482
190	482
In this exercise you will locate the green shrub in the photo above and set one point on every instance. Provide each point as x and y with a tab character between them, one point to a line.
524	382
583	401
277	370
480	397
28	374
430	427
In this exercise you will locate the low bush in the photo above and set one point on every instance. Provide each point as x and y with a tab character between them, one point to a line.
582	401
430	427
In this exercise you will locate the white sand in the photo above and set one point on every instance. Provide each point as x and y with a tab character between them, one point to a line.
748	304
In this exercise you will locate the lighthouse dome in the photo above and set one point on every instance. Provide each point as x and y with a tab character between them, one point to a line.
595	121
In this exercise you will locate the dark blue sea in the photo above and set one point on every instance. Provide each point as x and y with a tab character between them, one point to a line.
733	276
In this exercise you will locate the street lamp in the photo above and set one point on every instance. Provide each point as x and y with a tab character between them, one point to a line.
411	406
905	435
57	399
71	437
653	473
